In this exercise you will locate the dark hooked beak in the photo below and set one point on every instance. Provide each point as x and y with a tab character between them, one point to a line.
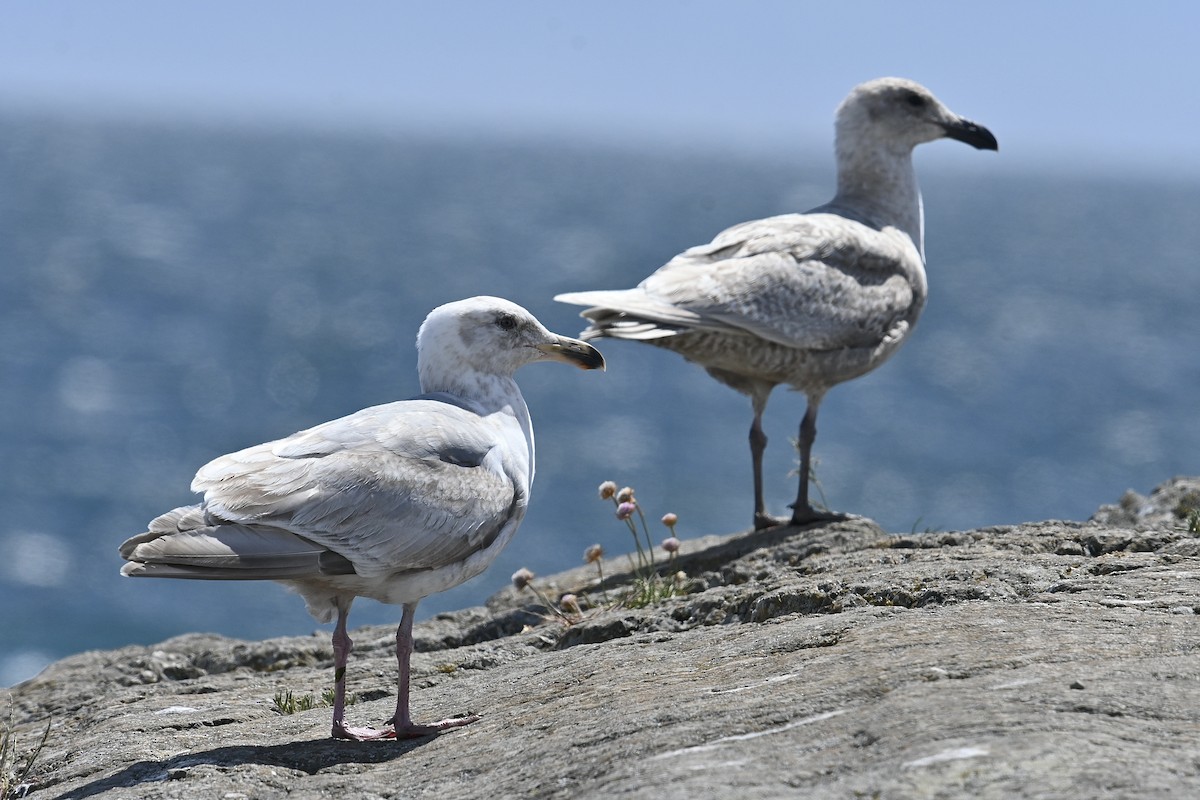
971	133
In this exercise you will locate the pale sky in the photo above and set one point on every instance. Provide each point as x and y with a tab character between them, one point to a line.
1088	84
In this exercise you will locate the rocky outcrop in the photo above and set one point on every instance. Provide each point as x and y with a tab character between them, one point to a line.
1049	660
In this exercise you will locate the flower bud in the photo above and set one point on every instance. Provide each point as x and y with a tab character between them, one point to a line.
570	604
521	578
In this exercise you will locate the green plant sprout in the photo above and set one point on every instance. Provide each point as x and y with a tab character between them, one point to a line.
287	703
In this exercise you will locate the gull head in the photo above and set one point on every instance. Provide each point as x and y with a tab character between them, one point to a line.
901	114
492	336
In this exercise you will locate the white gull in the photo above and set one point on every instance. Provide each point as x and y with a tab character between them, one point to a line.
808	300
395	502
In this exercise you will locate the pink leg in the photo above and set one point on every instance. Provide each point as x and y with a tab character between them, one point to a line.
404	727
341	655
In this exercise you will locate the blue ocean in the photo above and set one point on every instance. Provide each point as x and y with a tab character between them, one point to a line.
169	293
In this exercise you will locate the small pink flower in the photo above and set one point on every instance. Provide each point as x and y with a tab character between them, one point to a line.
607	490
522	578
570	604
669	519
671	545
625	510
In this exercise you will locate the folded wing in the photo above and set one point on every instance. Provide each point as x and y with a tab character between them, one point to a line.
808	281
404	486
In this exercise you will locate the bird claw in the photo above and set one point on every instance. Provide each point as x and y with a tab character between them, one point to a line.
354	734
763	521
810	516
410	731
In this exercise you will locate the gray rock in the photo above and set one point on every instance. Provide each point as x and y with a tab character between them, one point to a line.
1175	502
1048	660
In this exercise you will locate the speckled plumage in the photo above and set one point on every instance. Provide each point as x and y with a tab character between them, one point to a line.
808	300
394	502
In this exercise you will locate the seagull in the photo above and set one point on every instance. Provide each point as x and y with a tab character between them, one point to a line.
395	502
808	300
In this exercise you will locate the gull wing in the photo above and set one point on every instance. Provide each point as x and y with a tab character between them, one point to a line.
187	543
416	484
809	281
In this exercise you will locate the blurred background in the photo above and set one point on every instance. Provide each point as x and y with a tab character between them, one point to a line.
223	222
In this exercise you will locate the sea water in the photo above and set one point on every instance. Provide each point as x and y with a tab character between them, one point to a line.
169	294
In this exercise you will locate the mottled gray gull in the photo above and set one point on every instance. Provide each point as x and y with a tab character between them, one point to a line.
395	502
809	300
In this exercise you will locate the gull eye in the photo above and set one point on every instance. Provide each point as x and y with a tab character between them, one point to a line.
913	99
506	322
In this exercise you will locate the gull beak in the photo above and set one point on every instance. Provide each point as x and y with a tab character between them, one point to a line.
971	133
573	351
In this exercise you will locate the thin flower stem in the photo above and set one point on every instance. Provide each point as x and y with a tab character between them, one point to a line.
646	531
548	604
600	572
637	540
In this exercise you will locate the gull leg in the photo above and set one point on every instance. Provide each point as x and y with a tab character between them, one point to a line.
402	720
342	645
758	445
802	511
